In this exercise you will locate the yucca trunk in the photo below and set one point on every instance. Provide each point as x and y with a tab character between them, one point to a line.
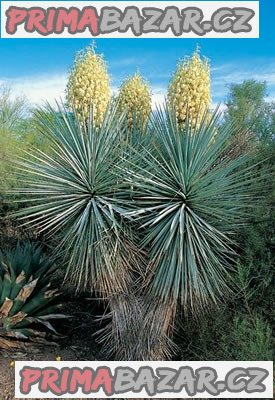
139	330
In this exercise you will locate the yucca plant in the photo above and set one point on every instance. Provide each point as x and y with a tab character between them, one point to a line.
78	194
178	190
189	200
27	300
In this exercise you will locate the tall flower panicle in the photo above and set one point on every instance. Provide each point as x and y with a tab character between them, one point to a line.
89	85
135	97
189	89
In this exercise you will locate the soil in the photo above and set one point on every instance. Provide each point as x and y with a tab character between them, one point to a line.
79	344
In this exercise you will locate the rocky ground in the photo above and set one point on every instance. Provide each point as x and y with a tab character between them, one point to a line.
7	365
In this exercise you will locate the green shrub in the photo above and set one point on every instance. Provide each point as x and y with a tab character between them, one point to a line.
250	338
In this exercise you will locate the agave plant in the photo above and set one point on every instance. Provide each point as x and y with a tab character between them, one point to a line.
189	200
27	300
78	194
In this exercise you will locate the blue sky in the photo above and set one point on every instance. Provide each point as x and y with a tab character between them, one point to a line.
38	68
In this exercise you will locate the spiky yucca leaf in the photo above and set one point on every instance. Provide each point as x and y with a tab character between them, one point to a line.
26	297
189	199
89	85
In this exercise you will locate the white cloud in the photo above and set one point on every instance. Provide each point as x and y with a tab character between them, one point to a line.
225	74
125	62
158	96
239	76
38	89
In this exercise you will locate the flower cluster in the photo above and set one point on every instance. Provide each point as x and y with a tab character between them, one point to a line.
135	98
189	88
89	86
